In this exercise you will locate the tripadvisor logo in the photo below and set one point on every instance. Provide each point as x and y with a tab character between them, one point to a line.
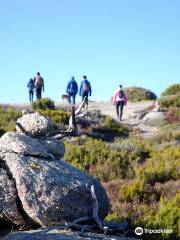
139	231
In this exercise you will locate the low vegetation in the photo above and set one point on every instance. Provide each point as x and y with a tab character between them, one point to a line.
173	115
106	161
170	97
170	101
108	130
43	104
141	176
172	90
136	94
59	117
8	118
46	107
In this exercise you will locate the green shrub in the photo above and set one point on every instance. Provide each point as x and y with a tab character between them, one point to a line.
140	176
139	192
106	161
168	134
7	119
173	115
166	216
136	94
114	126
86	152
113	217
170	101
107	129
172	90
161	213
58	116
162	166
131	191
43	104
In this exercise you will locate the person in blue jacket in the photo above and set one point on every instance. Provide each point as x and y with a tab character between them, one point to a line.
85	89
72	90
30	86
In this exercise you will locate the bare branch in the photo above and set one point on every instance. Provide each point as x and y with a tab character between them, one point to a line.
96	208
78	110
71	131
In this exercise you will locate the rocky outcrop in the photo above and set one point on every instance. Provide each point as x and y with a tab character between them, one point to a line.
153	116
8	199
53	192
22	144
58	233
35	124
50	191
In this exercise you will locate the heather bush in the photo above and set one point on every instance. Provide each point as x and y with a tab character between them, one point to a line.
106	161
162	166
43	104
113	126
170	101
108	129
173	115
58	116
166	216
85	151
8	118
150	199
129	192
136	94
168	136
113	217
141	176
149	209
172	90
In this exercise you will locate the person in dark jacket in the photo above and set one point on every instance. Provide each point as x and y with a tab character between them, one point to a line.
39	85
30	86
85	89
72	90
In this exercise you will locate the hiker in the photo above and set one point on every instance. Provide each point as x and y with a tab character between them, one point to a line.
30	86
39	85
85	90
119	100
72	90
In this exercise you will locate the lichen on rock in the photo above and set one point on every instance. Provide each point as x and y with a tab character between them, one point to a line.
50	190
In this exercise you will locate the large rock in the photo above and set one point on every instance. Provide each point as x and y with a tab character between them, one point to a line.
51	191
59	233
8	199
153	116
35	124
22	144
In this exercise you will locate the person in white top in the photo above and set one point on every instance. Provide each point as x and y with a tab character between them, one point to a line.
119	100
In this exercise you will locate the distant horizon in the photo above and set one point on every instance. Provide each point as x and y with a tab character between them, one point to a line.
78	98
133	43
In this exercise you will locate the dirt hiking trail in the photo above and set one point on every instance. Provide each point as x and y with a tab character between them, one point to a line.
132	115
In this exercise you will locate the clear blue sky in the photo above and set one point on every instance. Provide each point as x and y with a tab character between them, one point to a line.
133	42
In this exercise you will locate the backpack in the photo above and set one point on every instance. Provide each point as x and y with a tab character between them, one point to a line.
121	94
38	82
86	86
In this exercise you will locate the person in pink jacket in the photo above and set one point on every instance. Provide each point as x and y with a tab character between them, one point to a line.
119	100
